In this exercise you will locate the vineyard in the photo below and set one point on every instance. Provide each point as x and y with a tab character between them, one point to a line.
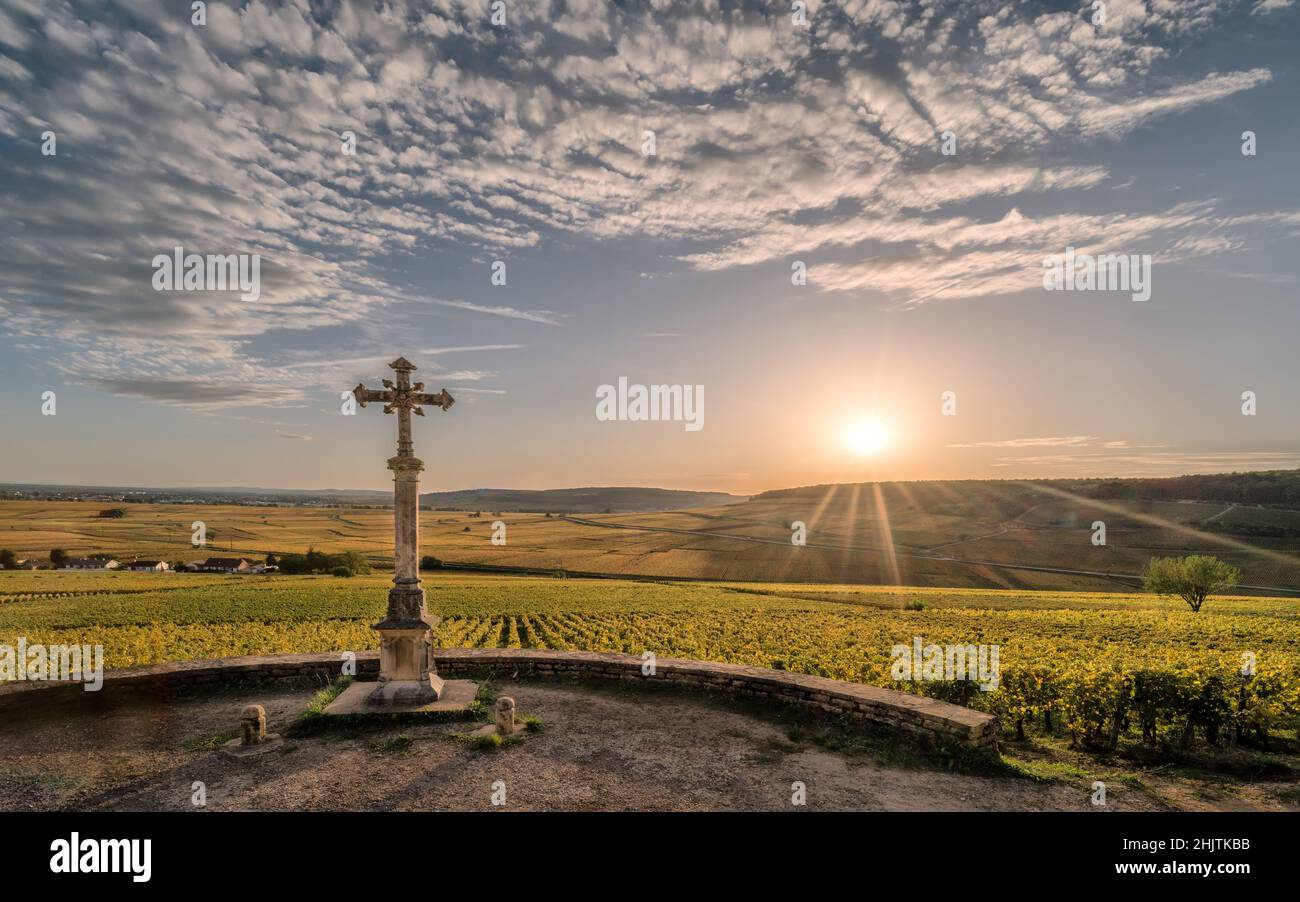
1096	667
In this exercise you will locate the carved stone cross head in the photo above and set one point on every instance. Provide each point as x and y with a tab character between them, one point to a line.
402	395
402	398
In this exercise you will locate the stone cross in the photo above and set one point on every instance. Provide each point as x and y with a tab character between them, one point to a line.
406	669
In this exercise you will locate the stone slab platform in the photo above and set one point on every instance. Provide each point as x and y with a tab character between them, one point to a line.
456	698
235	748
488	729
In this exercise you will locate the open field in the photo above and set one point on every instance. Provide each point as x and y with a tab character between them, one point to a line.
854	536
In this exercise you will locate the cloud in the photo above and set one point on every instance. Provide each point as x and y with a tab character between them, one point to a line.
547	317
1267	278
464	348
1117	119
966	258
1264	7
196	393
771	140
1059	441
381	360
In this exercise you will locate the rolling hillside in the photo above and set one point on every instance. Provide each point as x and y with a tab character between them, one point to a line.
962	534
594	500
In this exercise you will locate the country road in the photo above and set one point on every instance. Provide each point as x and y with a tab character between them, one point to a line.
1002	530
1118	577
1220	513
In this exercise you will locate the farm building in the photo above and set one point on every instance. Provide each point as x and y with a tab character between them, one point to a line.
23	564
220	565
90	563
149	566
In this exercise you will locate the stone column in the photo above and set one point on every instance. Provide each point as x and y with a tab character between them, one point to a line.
406	527
407	672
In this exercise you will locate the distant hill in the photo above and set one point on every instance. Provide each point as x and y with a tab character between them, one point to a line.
596	500
1278	488
1273	488
194	494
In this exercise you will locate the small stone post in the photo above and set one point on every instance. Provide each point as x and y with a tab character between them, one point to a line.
252	720
505	716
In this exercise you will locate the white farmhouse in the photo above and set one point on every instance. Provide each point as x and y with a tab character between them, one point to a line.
149	566
90	563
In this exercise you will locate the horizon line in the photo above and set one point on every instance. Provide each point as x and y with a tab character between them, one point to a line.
328	491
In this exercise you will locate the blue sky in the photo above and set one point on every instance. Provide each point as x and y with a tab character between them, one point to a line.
775	142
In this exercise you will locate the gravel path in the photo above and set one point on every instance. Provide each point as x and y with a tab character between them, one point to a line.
599	750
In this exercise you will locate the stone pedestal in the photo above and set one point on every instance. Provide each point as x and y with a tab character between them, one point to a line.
407	673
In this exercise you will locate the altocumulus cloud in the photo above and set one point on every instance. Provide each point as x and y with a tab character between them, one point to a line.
194	392
772	140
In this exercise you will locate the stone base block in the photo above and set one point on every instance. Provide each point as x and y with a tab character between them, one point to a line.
404	693
235	748
455	697
519	732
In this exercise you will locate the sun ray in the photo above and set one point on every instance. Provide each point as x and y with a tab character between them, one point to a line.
811	521
886	533
854	497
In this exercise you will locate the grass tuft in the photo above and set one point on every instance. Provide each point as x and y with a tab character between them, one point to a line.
314	718
397	745
211	741
487	741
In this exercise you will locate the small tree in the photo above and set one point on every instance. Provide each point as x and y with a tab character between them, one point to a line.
1192	578
8	560
352	560
58	556
294	563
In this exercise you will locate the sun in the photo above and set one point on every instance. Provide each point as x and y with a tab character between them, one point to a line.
865	438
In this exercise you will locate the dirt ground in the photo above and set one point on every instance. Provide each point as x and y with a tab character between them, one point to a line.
598	750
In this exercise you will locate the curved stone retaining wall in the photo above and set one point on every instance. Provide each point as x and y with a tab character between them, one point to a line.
926	719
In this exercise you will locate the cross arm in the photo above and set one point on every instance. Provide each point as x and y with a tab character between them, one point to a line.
363	394
441	399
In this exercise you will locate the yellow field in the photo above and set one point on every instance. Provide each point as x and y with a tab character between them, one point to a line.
847	540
